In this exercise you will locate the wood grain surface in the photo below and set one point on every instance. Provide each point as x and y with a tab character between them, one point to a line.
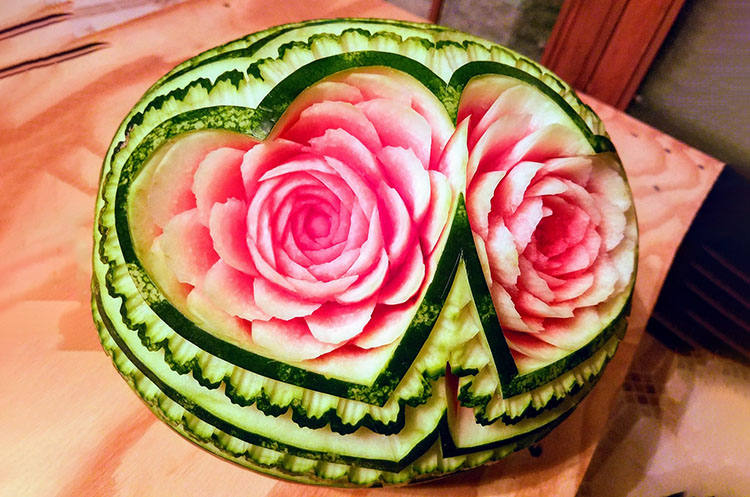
72	427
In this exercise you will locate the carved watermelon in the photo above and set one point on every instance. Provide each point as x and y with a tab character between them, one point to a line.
362	252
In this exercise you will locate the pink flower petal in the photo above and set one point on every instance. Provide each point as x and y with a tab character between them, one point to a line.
502	255
553	281
335	251
406	174
315	120
340	229
371	248
232	291
534	283
573	287
575	169
612	226
388	84
623	258
606	181
309	223
228	228
549	142
332	90
496	142
563	228
507	313
319	197
574	259
479	95
263	157
281	230
517	100
261	208
455	157
289	340
373	86
267	270
188	247
362	191
524	99
441	126
336	91
336	323
301	163
387	324
538	351
404	281
331	214
155	263
217	179
479	200
257	204
574	332
359	226
293	270
548	185
528	304
339	191
368	283
483	258
170	191
340	145
400	126
208	315
264	241
396	224
533	254
318	223
525	221
578	257
512	189
279	303
335	267
577	195
301	230
437	216
290	247
290	188
606	277
322	290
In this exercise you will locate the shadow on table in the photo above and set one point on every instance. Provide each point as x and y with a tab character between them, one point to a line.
672	428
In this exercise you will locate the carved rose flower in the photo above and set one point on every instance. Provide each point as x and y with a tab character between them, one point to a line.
323	235
552	221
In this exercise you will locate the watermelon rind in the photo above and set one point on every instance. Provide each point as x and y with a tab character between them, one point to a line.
187	375
433	457
481	391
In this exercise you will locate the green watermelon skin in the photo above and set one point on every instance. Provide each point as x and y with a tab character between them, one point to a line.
440	375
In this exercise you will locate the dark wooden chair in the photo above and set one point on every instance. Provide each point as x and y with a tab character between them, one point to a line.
705	300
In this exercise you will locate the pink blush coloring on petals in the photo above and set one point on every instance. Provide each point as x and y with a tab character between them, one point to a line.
188	247
317	236
218	179
228	230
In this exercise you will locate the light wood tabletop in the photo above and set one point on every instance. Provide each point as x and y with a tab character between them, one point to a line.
71	426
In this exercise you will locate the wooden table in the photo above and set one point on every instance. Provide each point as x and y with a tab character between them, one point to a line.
71	426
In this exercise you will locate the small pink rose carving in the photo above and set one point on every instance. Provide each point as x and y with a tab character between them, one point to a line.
552	221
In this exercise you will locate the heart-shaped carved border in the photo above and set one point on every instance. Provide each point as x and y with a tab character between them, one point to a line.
258	123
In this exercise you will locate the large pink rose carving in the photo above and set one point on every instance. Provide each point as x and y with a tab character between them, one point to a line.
323	235
553	222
